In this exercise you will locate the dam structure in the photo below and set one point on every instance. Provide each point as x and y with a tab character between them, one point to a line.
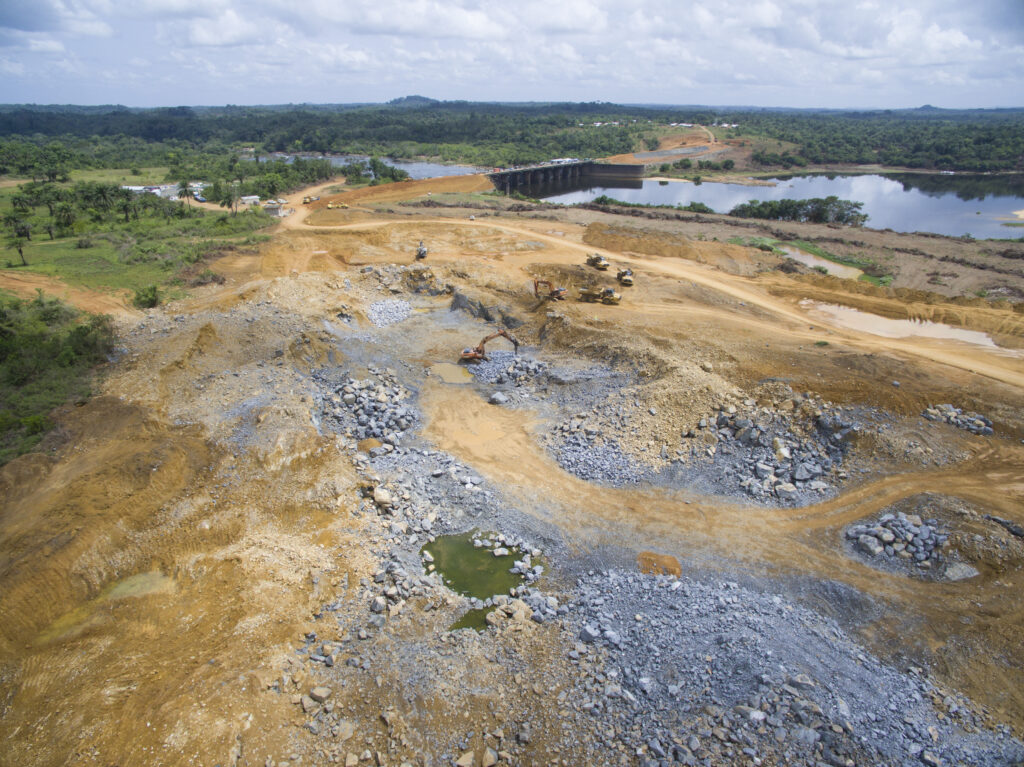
565	172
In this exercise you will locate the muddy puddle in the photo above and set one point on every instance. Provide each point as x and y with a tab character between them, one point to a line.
831	267
90	614
854	319
451	373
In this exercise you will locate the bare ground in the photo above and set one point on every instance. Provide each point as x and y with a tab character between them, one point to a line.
163	559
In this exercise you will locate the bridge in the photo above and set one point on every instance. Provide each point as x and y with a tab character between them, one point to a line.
564	172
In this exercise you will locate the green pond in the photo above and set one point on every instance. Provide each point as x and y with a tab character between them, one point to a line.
472	572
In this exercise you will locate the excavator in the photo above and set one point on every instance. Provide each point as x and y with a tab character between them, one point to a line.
604	295
598	261
421	251
555	294
625	276
477	353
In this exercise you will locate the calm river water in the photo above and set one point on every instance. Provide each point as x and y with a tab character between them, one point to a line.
952	205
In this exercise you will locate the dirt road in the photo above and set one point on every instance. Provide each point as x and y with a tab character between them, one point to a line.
27	283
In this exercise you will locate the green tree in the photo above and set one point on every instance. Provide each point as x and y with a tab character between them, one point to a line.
64	215
230	197
14	242
185	193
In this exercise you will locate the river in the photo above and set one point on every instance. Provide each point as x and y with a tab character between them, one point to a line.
953	205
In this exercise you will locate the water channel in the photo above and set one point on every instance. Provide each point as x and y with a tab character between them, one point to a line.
956	205
416	170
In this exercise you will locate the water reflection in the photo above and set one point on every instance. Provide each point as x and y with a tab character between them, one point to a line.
931	203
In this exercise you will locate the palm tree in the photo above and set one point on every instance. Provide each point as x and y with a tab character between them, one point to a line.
64	215
185	192
230	198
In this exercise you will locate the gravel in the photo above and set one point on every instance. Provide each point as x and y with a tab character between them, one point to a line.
707	669
388	312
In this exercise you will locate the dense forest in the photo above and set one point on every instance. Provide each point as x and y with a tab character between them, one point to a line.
501	134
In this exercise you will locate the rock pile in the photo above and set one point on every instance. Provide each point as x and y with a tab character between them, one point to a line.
388	312
588	454
776	455
903	536
505	367
373	407
972	422
704	672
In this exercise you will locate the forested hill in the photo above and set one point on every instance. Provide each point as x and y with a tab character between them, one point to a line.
507	134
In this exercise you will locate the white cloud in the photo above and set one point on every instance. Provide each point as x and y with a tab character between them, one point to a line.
227	29
45	45
777	52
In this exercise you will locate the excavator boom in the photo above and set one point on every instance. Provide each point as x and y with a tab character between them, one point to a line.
477	353
556	294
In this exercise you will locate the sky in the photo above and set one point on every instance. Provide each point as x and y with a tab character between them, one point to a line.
795	53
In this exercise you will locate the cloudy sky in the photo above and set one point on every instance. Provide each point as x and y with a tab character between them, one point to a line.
802	53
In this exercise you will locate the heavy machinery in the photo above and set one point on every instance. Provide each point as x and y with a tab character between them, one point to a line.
307	200
555	294
421	251
477	352
338	205
604	295
597	261
625	276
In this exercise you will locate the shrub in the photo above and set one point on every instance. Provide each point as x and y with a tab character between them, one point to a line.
147	297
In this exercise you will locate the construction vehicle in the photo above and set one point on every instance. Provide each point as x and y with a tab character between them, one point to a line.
555	294
307	200
421	251
477	352
625	276
338	205
604	295
597	261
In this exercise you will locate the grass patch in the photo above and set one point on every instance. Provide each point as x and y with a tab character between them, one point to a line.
821	343
47	354
123	176
141	253
767	244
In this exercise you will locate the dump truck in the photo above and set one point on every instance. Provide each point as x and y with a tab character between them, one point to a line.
597	261
604	295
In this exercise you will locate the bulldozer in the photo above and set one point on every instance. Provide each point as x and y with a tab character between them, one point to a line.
625	277
598	261
477	352
421	251
338	205
555	294
307	199
604	295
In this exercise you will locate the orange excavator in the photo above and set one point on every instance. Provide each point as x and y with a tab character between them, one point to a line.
477	353
555	294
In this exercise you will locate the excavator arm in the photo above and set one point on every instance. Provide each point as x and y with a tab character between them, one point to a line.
478	353
558	294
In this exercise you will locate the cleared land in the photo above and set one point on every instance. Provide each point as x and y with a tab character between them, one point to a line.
216	536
